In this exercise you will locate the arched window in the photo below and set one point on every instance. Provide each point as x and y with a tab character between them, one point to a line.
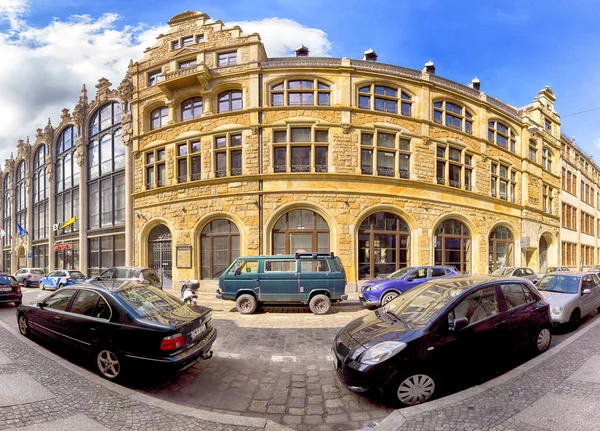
300	230
67	181
230	101
453	115
21	196
547	159
40	197
386	99
453	245
300	93
502	135
159	117
383	245
220	245
106	166
191	108
501	248
8	228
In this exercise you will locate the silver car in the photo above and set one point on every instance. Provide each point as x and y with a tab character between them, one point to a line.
114	277
29	276
522	272
571	296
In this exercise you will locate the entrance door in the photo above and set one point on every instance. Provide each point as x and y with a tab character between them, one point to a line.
543	255
160	254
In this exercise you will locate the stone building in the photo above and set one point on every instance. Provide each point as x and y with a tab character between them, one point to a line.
209	150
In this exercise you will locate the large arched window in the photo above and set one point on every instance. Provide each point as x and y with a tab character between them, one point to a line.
6	219
502	135
230	101
501	248
386	99
40	196
21	196
300	93
300	230
106	166
383	245
159	117
220	245
452	115
453	245
67	181
191	108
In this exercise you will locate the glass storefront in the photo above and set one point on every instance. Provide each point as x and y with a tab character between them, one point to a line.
66	255
40	257
105	252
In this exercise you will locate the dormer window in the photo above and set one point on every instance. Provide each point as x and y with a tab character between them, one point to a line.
385	99
187	41
452	115
175	44
547	125
199	38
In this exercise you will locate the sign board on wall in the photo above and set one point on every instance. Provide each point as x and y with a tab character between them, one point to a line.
525	242
62	246
183	256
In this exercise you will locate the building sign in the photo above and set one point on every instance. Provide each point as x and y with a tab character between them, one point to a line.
525	242
62	246
183	256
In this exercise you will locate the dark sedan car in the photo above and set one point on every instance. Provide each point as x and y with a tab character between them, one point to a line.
10	290
132	323
435	330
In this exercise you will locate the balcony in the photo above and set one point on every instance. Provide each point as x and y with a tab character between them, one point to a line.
182	78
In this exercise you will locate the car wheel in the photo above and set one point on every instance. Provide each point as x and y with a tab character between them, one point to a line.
574	320
108	364
542	340
246	304
43	286
60	286
388	297
412	390
320	304
23	325
25	283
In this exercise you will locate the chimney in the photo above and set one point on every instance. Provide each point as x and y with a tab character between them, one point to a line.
429	68
369	55
475	84
302	51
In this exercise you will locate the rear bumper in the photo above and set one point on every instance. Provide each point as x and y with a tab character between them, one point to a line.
11	297
219	294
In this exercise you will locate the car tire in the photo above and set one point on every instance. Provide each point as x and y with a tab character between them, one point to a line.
109	364
246	304
411	389
541	341
574	320
388	297
25	283
23	325
60	286
320	304
43	286
17	303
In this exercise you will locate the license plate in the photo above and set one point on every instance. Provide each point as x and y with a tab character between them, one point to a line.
5	289
198	331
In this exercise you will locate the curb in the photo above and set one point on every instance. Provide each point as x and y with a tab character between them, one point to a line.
220	418
398	417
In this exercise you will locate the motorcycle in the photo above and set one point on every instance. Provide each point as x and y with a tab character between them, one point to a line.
189	291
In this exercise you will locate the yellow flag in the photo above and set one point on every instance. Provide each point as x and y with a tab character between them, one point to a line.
68	222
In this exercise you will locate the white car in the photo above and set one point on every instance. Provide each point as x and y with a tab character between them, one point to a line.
571	296
61	277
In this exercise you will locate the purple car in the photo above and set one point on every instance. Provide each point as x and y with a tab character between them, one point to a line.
375	293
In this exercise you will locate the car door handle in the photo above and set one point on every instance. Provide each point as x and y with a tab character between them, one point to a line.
57	317
499	324
93	329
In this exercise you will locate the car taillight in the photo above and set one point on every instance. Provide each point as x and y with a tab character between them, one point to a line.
69	280
18	289
28	275
209	322
172	342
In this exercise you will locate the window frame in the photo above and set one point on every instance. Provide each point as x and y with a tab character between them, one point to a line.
231	97
447	163
190	159
509	181
495	134
227	58
289	143
229	151
319	88
464	116
155	161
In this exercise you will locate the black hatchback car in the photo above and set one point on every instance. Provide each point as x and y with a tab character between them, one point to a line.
407	347
10	290
132	323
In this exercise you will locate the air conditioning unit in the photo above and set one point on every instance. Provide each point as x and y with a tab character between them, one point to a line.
55	227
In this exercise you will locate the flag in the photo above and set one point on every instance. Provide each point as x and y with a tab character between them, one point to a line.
22	232
2	233
68	222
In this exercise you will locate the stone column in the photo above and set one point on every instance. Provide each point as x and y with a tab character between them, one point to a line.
14	260
51	206
126	89
83	207
29	193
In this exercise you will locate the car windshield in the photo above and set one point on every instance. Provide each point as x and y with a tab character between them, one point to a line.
499	271
78	275
560	283
397	274
148	301
420	305
7	280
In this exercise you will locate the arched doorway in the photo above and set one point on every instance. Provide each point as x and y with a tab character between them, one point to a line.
543	249
300	230
453	245
220	245
160	254
501	248
383	244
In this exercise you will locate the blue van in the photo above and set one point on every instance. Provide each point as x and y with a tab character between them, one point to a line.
316	279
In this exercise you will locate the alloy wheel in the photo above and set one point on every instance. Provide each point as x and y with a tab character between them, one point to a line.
108	364
245	304
543	339
23	325
415	389
321	305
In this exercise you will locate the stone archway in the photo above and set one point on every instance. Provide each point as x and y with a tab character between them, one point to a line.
160	254
543	255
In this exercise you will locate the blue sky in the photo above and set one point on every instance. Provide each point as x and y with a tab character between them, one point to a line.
514	47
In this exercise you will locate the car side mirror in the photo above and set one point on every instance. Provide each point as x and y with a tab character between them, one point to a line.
41	304
586	292
458	324
410	278
238	271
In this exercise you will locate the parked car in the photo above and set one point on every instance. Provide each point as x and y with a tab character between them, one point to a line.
316	279
379	292
114	277
61	277
571	296
132	324
444	327
10	289
556	269
527	273
29	276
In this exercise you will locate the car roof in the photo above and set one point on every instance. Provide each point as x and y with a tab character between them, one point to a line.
103	288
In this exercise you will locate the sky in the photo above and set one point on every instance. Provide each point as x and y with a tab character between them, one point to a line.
49	48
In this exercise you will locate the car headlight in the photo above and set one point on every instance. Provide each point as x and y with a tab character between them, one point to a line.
558	309
382	351
367	288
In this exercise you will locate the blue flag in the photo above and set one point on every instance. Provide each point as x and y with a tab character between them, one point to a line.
22	232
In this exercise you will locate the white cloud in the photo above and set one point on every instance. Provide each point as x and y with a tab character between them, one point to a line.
281	36
43	68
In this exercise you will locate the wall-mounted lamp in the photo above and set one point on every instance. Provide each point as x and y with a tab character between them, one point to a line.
533	129
346	201
139	214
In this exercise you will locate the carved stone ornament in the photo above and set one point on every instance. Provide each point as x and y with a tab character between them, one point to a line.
126	89
23	150
49	168
79	114
426	140
346	128
103	87
80	154
49	132
254	130
126	128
